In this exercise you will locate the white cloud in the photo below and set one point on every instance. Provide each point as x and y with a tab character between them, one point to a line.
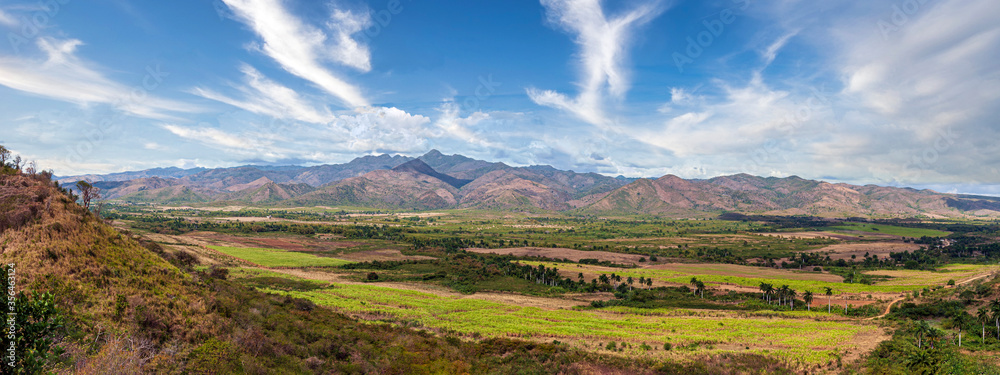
603	43
771	52
266	97
63	76
915	106
453	125
7	20
301	49
380	128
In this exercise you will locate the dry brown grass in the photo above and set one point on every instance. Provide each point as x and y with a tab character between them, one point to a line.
882	249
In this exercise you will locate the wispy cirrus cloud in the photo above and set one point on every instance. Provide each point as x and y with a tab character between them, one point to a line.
603	43
266	97
302	49
62	76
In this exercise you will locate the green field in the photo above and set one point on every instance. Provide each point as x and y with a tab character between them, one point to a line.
903	281
891	230
803	340
278	258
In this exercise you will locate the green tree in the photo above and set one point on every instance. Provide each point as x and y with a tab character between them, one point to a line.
4	155
808	297
983	316
37	322
995	308
829	299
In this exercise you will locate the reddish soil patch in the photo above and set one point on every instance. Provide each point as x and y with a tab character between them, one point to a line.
560	253
831	235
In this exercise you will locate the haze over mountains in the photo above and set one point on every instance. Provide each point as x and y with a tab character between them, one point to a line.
438	181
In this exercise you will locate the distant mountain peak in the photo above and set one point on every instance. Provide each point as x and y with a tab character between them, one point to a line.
418	166
415	165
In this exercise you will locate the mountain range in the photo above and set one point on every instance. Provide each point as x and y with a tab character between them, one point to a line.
438	181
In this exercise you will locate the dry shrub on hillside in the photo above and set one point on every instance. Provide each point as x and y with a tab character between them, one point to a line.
21	201
118	355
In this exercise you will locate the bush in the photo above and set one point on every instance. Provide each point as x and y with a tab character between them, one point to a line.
372	276
37	323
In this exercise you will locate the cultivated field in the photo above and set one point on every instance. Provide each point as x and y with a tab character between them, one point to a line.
573	255
688	332
278	258
858	250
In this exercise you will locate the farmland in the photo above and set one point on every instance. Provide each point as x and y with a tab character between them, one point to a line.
278	258
689	332
891	230
480	275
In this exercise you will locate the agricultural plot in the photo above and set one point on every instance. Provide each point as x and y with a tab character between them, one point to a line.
278	258
891	230
957	272
745	276
805	341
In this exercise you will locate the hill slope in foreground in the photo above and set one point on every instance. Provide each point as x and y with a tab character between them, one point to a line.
437	181
129	306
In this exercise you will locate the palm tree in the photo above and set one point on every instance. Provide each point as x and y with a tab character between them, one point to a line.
808	297
983	315
766	290
642	281
933	336
791	298
630	281
694	283
649	282
781	294
701	288
921	329
829	297
995	306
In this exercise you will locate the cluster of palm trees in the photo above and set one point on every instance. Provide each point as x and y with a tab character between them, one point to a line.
922	329
699	287
785	294
989	314
617	279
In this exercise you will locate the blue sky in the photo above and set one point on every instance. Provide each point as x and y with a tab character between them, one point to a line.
886	92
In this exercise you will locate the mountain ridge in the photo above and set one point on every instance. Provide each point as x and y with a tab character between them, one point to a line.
438	181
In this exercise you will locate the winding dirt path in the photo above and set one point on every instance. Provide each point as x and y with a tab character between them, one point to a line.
887	308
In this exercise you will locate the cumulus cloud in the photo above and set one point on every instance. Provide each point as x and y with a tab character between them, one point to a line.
380	128
302	49
61	75
266	97
603	42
